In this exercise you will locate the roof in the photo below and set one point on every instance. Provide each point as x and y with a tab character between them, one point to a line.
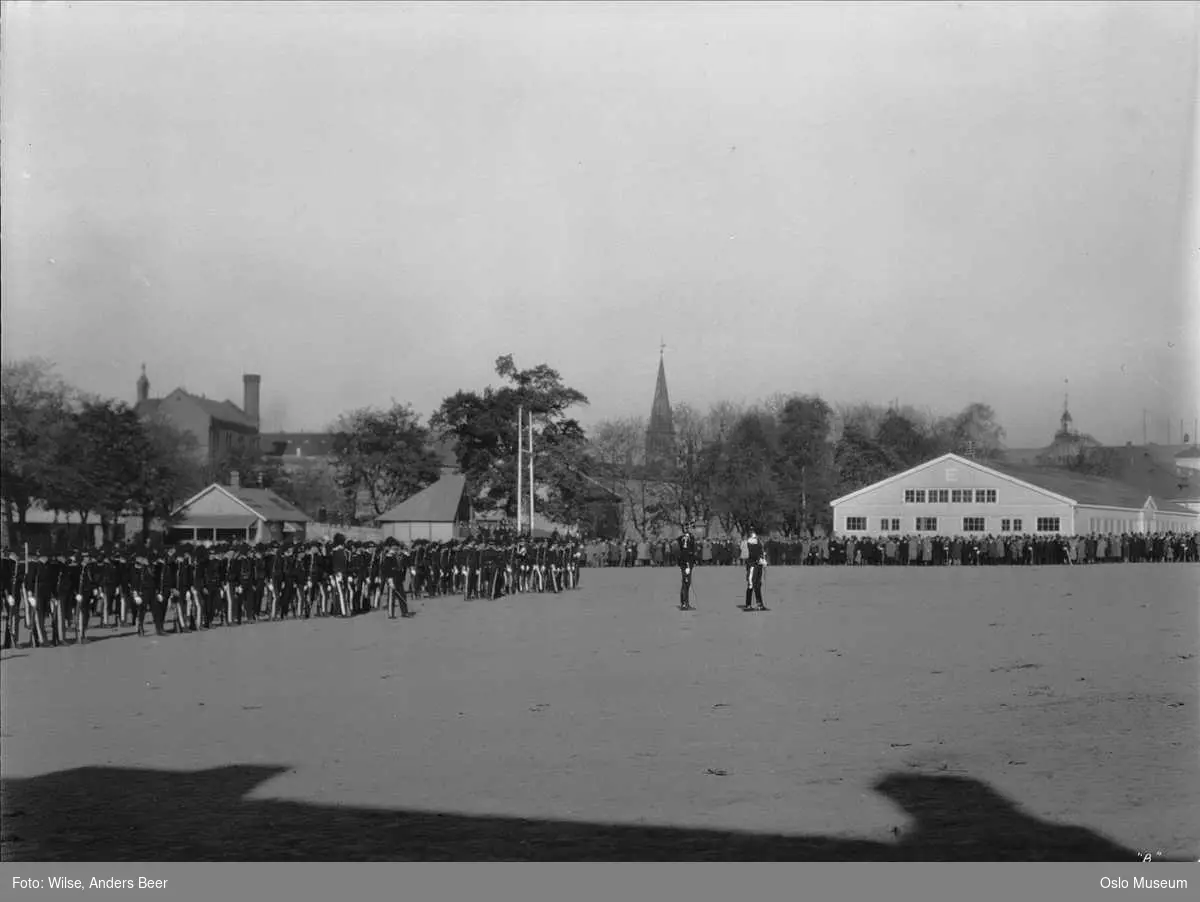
1170	507
1063	484
1193	451
261	503
225	411
1150	468
309	444
1092	490
438	503
268	505
946	458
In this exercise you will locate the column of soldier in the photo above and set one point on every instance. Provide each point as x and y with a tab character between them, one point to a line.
202	586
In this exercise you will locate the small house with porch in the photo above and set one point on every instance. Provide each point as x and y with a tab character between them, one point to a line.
234	513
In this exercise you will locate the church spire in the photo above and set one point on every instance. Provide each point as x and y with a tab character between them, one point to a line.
143	386
660	436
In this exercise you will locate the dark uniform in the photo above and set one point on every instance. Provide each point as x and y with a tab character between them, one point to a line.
84	577
11	601
686	556
392	574
755	564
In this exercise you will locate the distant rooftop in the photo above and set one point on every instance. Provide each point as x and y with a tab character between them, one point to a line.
1084	489
298	444
225	411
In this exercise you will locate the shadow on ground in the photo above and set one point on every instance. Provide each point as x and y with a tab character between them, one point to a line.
116	814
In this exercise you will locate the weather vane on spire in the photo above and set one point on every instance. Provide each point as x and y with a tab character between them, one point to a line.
662	345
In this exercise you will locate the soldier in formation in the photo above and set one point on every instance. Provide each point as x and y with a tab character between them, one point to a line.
196	587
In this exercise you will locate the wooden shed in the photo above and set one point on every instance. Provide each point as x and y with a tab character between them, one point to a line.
438	513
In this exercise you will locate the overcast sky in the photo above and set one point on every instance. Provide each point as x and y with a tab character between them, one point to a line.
936	203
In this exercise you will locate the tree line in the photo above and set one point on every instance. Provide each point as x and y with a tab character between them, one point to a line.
777	464
100	459
774	464
77	453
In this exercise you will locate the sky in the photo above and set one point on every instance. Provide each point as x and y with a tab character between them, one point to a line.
930	203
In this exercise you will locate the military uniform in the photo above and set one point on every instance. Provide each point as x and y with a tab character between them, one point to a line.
685	555
755	565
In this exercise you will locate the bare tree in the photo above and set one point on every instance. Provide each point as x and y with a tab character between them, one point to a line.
618	446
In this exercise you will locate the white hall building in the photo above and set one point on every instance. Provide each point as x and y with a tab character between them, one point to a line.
952	495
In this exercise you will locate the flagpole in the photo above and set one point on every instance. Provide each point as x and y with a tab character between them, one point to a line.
531	474
520	465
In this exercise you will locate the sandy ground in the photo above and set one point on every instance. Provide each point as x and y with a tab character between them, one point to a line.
873	713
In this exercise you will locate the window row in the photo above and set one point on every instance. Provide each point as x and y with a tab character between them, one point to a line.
949	496
969	524
1106	525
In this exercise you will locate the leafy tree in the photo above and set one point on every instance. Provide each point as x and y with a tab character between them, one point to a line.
170	472
563	466
383	455
905	439
313	488
860	460
67	486
973	430
864	418
247	459
618	447
805	466
110	462
35	405
690	481
483	425
747	491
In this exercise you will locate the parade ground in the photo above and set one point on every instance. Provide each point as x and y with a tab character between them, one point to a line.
976	713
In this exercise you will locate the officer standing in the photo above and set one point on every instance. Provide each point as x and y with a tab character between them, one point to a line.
756	563
686	557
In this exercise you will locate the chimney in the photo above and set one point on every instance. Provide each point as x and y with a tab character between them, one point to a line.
235	479
250	384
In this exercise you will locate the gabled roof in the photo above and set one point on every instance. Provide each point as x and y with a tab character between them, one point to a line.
270	506
438	503
261	503
1170	507
225	411
1191	452
1063	485
1091	490
960	461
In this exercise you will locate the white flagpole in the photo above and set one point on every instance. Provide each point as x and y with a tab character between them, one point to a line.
531	474
520	465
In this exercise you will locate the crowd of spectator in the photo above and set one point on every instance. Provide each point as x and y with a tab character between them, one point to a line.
910	550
